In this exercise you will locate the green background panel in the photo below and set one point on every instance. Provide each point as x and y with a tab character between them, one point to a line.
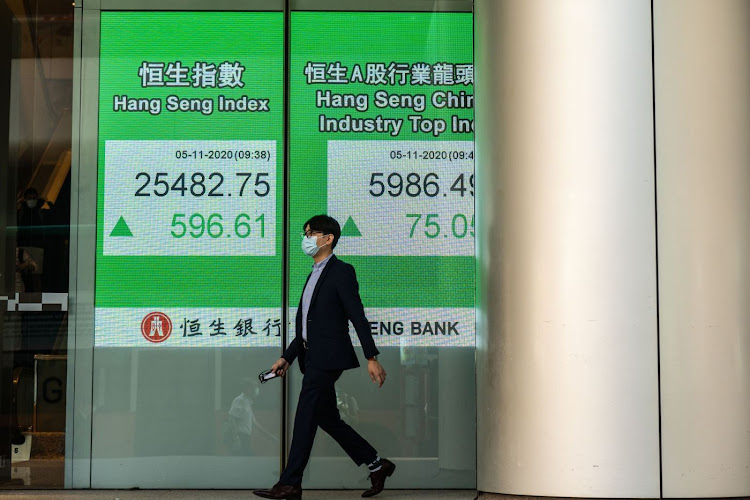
255	39
359	38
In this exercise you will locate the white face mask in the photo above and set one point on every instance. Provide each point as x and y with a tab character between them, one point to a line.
310	245
31	203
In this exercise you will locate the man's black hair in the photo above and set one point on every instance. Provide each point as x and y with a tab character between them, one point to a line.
325	224
31	191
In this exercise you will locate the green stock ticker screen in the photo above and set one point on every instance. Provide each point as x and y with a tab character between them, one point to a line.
190	190
381	138
190	194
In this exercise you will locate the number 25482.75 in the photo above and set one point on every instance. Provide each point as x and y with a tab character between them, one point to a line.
199	184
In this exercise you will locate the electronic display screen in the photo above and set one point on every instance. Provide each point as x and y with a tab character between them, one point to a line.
381	138
190	189
190	184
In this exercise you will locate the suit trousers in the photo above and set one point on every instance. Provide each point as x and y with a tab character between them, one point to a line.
317	408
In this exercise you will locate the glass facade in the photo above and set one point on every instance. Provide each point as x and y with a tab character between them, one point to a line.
160	165
36	108
188	199
375	142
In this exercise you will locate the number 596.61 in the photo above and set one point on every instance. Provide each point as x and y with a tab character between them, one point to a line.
196	225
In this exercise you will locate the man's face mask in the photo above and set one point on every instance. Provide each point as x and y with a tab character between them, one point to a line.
310	244
31	203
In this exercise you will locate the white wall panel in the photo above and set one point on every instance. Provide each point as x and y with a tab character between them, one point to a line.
702	59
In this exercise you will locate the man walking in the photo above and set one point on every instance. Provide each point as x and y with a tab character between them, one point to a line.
329	301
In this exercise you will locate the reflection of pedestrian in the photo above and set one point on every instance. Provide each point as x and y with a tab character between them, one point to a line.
241	419
330	299
30	219
348	407
25	267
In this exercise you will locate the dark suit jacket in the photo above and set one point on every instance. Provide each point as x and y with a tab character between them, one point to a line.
334	303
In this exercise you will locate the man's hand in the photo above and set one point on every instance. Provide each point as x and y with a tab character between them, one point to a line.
280	367
377	372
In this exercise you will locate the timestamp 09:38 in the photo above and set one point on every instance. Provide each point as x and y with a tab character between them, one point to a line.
223	154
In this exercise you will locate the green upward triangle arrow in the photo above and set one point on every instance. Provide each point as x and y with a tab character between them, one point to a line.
350	228
121	228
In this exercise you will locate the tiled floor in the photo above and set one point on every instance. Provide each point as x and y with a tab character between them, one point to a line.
227	495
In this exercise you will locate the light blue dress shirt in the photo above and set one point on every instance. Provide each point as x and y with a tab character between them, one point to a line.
308	292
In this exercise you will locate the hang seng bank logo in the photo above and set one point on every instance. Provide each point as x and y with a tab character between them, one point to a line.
156	327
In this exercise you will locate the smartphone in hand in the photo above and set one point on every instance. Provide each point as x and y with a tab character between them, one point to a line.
266	376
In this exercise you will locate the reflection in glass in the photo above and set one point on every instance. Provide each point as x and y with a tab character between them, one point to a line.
36	94
241	424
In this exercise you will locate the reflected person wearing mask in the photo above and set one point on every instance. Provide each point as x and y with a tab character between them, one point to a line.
330	299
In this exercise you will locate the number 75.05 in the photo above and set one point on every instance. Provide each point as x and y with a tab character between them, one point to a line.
461	225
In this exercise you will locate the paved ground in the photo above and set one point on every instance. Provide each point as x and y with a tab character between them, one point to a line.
227	495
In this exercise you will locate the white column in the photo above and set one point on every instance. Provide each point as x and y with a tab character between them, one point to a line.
702	77
567	376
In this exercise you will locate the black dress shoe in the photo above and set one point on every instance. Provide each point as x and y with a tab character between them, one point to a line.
281	492
378	478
